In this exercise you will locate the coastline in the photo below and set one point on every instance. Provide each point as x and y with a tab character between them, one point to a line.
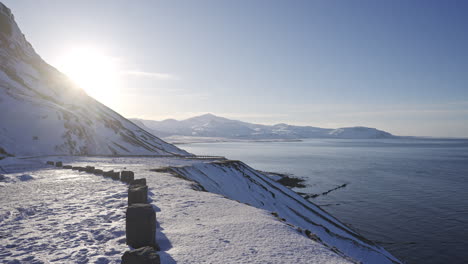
254	190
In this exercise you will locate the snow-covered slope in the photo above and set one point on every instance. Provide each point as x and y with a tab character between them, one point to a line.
47	114
359	132
209	125
81	218
237	181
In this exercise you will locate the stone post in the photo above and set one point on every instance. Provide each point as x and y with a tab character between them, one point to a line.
140	225
108	173
115	175
137	194
141	182
127	176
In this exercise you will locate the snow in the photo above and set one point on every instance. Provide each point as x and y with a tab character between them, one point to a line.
62	216
214	128
51	214
70	216
41	108
359	133
237	181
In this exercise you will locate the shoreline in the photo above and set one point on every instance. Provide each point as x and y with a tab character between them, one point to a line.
236	184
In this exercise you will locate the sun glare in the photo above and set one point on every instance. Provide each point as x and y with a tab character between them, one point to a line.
92	70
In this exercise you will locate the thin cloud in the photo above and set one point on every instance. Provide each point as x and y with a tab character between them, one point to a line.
154	75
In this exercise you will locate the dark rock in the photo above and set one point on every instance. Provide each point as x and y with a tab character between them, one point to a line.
137	194
98	172
89	169
291	182
127	176
50	163
67	167
140	225
58	164
140	182
144	255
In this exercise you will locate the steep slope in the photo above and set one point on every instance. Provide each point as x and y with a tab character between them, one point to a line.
42	112
209	125
235	180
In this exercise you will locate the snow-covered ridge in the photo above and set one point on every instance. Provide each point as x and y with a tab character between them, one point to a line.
44	111
237	181
212	126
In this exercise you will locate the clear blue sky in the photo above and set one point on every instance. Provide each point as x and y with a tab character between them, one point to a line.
401	66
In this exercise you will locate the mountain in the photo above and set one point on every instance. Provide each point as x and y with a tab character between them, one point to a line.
209	125
42	112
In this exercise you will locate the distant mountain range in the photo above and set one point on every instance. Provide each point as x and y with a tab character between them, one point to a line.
212	126
43	113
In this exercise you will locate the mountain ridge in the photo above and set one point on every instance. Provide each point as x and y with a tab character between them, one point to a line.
210	125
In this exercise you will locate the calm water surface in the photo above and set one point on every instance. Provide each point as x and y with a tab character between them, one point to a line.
409	195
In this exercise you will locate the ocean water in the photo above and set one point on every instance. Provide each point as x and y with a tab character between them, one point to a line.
409	195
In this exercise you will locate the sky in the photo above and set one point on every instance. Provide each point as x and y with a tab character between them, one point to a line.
400	66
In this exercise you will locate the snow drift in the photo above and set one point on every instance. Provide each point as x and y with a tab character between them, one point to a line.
41	108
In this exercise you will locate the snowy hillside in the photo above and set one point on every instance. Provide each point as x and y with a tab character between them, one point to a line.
359	132
235	180
212	126
42	109
81	220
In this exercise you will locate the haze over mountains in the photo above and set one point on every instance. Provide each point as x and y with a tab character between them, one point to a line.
43	112
209	125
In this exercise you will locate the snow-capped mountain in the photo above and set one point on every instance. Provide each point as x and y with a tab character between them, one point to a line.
209	125
43	112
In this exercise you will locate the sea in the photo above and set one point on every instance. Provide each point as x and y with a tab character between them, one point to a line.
409	195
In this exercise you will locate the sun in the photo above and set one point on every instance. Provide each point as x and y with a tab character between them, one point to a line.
92	70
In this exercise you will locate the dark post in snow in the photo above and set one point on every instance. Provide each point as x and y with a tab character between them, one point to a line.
144	255
89	169
98	172
140	223
50	163
108	173
67	167
127	176
141	182
115	175
137	194
58	164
